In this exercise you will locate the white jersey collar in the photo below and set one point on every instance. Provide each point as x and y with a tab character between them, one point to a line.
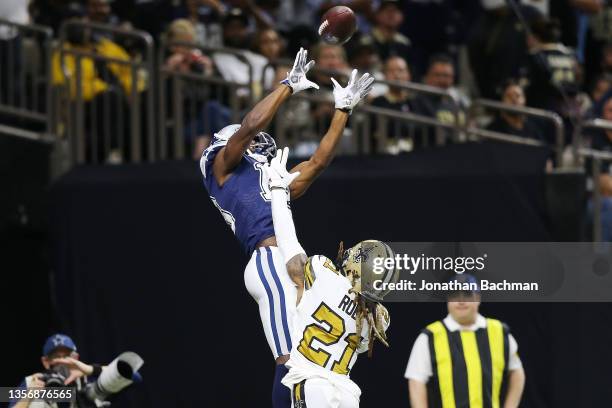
452	324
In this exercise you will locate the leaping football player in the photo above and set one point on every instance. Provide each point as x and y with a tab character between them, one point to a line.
339	314
233	176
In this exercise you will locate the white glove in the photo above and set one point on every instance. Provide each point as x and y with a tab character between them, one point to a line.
278	176
347	98
296	79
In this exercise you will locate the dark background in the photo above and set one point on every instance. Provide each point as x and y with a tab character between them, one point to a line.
142	261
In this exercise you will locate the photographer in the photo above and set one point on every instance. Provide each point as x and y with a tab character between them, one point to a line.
61	362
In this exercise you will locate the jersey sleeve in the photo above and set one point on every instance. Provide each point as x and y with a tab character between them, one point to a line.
419	366
514	362
317	265
208	157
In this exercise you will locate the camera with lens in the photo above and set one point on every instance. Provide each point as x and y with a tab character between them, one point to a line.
114	378
55	376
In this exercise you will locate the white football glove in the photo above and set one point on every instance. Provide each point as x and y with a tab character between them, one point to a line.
296	79
278	176
347	98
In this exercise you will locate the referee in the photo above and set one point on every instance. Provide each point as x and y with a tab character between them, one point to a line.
465	360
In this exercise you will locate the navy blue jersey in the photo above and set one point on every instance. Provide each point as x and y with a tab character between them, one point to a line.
244	200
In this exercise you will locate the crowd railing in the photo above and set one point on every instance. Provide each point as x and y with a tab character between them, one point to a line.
25	81
539	114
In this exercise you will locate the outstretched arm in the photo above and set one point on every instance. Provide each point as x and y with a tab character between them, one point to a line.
346	99
260	116
284	229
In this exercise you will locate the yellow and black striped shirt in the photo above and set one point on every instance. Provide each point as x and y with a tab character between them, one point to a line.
469	367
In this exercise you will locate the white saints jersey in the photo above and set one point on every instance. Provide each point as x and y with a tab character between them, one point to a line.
324	326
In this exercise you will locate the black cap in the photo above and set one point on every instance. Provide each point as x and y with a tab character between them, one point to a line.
470	284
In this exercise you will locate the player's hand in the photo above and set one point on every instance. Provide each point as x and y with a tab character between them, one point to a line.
278	175
347	98
296	79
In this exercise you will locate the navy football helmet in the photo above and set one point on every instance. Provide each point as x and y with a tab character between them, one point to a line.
264	145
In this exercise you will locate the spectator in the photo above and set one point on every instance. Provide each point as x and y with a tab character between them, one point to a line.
99	11
552	73
230	66
309	120
100	83
206	16
268	49
463	337
515	123
396	137
365	58
600	87
58	350
183	58
385	36
93	81
552	68
602	140
505	50
330	60
190	60
440	74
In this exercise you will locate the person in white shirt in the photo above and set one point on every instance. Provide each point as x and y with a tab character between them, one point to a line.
465	360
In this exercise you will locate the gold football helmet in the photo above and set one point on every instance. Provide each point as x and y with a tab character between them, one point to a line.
357	264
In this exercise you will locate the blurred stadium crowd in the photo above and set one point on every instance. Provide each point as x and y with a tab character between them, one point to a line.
128	94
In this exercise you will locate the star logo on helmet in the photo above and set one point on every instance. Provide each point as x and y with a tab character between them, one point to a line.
58	341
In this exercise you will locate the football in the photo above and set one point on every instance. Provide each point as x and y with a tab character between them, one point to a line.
338	25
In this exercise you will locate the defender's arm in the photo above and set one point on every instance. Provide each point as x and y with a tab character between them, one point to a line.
294	254
346	99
